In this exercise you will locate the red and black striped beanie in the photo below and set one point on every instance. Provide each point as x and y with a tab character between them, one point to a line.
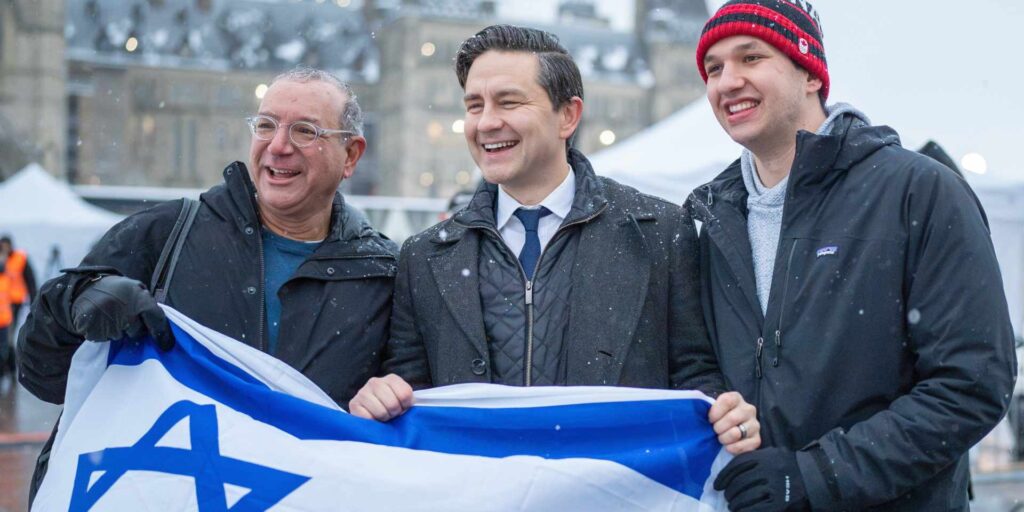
792	26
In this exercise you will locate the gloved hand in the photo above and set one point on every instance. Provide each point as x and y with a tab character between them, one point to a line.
763	480
115	307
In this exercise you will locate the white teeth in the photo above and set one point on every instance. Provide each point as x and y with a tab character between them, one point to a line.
742	106
499	145
281	172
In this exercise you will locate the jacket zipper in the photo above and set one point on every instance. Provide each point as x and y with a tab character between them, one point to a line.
759	343
529	331
785	286
757	359
260	342
528	297
528	285
529	291
782	306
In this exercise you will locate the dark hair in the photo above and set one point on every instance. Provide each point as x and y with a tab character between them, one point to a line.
558	73
6	239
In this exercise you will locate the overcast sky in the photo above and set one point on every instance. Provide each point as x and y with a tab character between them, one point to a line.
940	69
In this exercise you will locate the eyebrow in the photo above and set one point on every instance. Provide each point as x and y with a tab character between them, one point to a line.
270	113
745	47
503	93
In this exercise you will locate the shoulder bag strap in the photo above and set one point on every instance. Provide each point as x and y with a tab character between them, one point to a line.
164	271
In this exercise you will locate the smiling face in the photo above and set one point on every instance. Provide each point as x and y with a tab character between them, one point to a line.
759	96
295	184
515	134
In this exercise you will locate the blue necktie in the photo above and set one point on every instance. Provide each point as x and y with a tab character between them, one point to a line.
531	249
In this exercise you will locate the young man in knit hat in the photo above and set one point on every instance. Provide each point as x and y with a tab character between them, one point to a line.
850	285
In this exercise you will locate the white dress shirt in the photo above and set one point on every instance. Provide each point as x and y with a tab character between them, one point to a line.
559	202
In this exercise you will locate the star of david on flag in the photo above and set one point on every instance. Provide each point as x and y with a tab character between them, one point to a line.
214	425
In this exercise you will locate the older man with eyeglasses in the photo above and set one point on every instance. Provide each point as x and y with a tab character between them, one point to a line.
274	258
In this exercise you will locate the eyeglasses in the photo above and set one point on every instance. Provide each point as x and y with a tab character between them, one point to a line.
301	133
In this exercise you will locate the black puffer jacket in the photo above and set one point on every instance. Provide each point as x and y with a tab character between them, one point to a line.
886	351
517	332
334	310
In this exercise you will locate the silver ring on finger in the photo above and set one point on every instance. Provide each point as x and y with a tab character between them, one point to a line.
743	431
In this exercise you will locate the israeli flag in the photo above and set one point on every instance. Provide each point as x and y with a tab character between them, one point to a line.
215	425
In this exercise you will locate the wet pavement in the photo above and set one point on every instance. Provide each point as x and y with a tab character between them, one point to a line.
25	424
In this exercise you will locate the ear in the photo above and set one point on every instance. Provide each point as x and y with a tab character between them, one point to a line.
569	116
813	84
353	152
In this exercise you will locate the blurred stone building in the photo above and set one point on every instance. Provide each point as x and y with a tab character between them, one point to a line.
32	84
156	91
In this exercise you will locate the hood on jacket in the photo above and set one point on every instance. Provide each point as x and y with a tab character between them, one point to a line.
819	161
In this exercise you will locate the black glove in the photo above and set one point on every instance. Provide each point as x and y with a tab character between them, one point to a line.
115	307
763	480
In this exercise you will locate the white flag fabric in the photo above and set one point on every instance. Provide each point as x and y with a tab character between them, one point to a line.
215	425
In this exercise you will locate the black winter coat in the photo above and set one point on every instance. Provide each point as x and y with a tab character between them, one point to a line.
334	310
634	314
886	351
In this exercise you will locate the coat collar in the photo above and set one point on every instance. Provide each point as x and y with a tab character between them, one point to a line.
820	160
235	199
589	199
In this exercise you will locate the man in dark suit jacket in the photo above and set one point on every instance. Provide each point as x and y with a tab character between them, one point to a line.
551	275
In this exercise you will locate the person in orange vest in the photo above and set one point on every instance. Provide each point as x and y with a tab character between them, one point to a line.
6	319
20	283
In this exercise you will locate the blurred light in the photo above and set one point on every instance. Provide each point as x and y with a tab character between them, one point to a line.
426	179
261	90
462	178
343	3
975	163
148	124
459	126
428	49
131	44
607	137
435	130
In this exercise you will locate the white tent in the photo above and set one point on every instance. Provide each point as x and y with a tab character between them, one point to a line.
41	213
672	157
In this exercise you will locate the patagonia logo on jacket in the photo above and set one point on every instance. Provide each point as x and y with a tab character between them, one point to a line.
828	250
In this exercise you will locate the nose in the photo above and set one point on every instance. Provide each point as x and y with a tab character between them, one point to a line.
280	144
489	119
730	79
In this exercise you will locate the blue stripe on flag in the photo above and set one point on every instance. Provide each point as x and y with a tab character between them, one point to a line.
669	441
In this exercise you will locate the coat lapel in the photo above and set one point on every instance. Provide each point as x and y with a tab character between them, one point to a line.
605	310
455	275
